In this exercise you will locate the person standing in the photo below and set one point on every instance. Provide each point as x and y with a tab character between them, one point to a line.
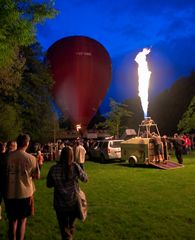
2	173
40	159
11	146
80	153
178	144
156	140
5	148
64	178
187	144
21	169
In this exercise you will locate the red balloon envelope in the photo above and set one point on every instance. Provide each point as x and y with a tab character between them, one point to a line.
81	69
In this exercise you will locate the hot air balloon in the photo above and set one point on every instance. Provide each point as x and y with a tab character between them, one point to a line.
81	69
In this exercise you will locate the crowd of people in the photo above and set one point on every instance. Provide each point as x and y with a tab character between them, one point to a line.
19	169
51	151
181	144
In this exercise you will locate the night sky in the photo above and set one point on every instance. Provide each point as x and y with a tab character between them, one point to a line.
124	28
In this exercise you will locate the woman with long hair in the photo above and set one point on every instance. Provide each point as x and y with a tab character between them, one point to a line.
64	178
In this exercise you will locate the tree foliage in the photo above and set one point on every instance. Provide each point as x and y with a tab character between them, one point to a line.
187	123
34	95
113	122
10	124
18	25
18	30
10	76
97	118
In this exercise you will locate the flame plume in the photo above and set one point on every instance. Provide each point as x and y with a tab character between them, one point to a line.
143	78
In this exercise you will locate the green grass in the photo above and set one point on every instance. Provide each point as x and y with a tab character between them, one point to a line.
124	204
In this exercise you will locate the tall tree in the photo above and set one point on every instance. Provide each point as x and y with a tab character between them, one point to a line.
34	96
18	25
187	123
18	29
113	122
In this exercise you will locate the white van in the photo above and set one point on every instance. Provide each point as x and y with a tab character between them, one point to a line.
106	150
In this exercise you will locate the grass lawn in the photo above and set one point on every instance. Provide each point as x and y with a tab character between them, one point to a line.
124	204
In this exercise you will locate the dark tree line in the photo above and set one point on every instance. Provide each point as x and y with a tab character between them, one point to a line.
167	109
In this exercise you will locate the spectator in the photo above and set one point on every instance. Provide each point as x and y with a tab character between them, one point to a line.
40	159
165	148
2	172
5	149
80	154
11	146
22	168
64	178
178	144
187	144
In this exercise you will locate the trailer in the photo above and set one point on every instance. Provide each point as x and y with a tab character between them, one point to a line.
147	148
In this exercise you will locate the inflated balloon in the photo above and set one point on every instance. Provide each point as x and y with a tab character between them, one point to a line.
81	69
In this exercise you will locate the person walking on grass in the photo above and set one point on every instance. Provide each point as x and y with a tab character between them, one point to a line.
21	169
178	144
64	178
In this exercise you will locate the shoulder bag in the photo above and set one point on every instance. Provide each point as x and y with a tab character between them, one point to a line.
82	204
